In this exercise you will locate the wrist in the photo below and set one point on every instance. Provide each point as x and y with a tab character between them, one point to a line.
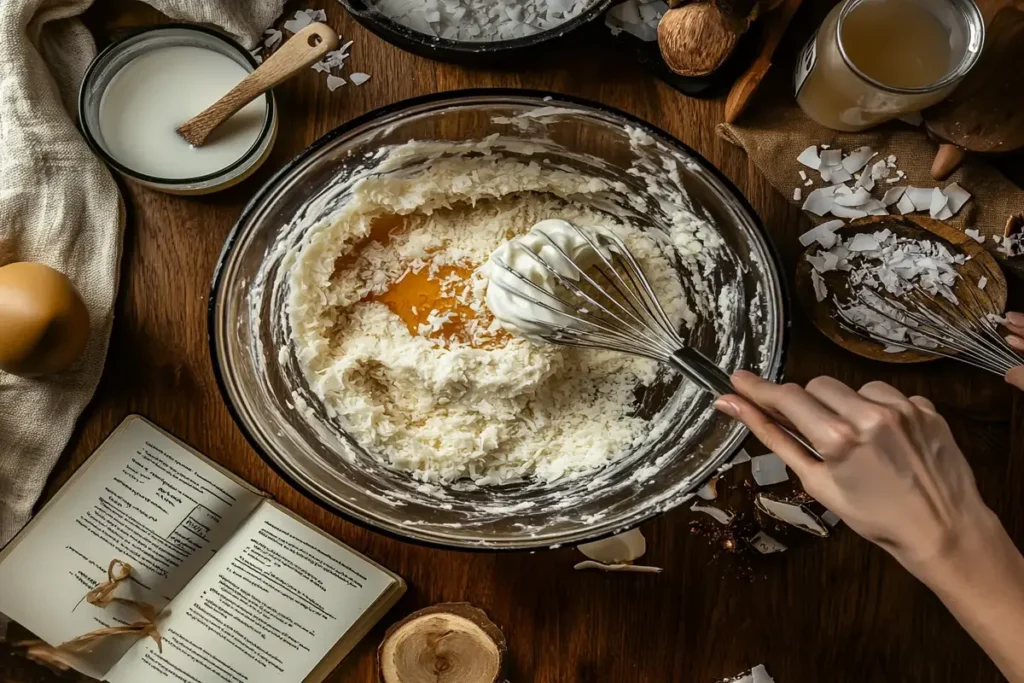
979	543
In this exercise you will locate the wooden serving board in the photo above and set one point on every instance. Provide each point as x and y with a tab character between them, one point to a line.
822	313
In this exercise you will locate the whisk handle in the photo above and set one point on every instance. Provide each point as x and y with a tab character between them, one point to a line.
712	378
702	370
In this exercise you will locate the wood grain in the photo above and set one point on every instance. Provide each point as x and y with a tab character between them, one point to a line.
838	610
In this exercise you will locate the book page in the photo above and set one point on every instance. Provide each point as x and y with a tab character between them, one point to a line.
268	607
142	498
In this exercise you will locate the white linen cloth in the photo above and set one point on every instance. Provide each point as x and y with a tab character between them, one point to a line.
60	206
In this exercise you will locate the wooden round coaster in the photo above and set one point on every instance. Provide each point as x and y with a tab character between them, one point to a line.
981	264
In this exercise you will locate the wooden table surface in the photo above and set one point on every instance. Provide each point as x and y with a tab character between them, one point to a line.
835	610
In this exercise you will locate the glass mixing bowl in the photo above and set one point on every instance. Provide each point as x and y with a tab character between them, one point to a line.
262	383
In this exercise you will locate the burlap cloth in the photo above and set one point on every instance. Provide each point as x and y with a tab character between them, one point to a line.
60	206
774	130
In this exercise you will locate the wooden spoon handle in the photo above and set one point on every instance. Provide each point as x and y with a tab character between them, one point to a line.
300	51
947	159
742	91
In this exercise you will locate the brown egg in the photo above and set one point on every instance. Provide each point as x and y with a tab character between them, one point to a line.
44	324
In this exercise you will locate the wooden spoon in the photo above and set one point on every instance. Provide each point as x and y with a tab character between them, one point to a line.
300	51
775	25
986	111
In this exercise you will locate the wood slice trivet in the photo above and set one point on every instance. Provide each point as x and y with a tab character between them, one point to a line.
982	263
986	111
453	642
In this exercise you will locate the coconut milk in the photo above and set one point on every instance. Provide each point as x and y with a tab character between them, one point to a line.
156	92
875	60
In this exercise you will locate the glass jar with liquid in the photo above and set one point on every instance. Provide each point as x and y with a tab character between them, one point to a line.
876	60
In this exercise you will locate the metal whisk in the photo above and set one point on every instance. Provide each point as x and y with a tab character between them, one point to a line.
963	329
611	305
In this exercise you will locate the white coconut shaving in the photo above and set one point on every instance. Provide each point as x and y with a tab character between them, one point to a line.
830	518
358	78
756	675
638	18
884	261
709	491
768	469
601	566
618	549
302	19
480	20
793	514
844	201
723	517
470	405
765	544
334	82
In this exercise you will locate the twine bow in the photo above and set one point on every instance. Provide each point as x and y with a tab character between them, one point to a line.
101	596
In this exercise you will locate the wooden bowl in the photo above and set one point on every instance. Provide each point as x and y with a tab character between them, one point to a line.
822	313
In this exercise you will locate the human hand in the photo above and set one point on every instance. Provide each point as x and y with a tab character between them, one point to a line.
892	470
1015	324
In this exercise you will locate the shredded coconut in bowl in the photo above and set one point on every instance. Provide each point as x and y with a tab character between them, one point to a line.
481	20
373	294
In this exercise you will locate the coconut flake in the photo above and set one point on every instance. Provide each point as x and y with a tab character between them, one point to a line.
809	158
723	517
957	195
922	197
765	544
863	242
819	202
741	457
847	212
905	205
273	37
793	514
855	198
638	568
334	82
938	205
797	194
302	20
359	77
975	235
857	159
830	518
709	491
831	157
823	234
892	195
624	547
768	469
820	289
982	282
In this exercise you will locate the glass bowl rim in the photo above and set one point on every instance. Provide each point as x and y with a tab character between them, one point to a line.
410	534
226	173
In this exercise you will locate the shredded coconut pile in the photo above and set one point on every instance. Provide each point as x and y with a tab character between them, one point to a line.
461	399
638	18
884	261
481	20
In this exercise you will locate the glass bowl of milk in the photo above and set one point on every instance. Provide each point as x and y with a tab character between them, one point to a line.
139	90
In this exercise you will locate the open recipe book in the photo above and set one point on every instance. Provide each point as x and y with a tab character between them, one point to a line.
247	591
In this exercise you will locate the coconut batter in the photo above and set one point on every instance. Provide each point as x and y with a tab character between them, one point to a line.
390	325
